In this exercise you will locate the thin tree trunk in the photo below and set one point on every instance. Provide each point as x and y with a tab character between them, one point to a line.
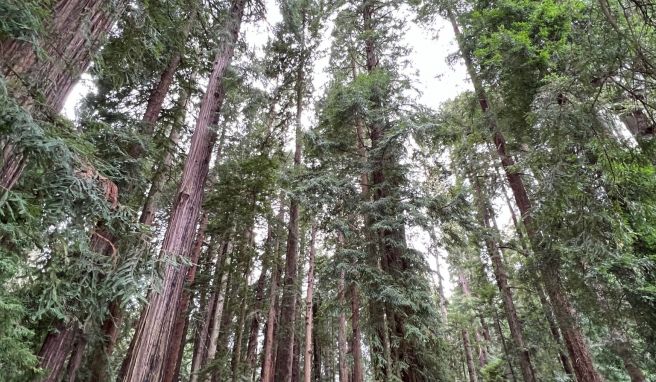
341	333
285	348
502	337
218	315
356	341
471	369
550	276
204	334
153	336
307	370
316	352
501	276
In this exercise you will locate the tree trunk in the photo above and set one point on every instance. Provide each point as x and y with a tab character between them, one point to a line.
153	336
70	41
307	370
501	276
285	348
341	332
55	350
471	369
75	34
217	320
506	352
204	334
179	333
316	352
251	352
549	272
356	341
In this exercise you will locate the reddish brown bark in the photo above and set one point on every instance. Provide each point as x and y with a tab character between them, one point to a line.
71	38
55	350
549	271
177	339
153	335
471	369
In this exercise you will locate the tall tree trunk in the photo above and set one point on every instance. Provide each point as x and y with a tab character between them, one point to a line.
269	356
269	338
501	276
316	352
111	326
506	352
549	273
471	368
286	325
356	340
217	319
307	370
153	336
251	352
341	331
205	332
179	327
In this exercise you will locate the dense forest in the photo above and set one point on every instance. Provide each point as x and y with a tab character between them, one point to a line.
258	190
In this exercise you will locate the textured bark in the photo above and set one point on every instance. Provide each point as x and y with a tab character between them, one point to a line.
75	361
501	277
549	271
307	370
76	32
471	369
55	350
153	335
70	40
179	333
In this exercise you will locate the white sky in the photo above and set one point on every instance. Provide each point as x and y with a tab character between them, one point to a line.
435	79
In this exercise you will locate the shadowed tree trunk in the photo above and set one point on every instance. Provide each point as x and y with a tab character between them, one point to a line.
471	369
307	370
154	333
